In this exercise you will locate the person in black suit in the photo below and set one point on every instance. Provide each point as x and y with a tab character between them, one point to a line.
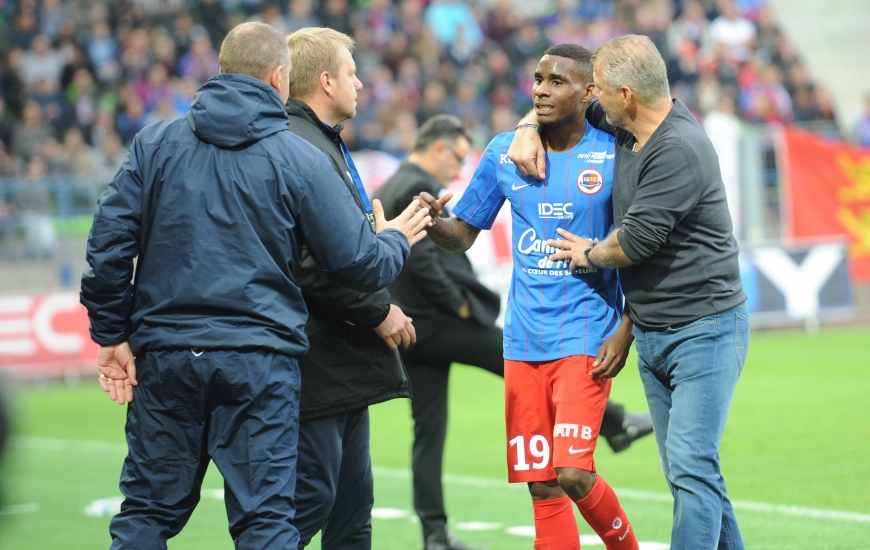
454	316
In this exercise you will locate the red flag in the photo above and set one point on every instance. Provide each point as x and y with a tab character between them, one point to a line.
827	193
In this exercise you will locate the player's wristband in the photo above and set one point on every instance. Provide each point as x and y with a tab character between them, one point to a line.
586	254
521	126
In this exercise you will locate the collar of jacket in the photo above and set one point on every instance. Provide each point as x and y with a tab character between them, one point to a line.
297	108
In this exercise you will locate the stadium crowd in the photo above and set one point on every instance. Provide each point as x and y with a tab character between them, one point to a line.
79	78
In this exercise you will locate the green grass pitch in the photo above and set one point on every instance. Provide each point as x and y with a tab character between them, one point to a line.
796	456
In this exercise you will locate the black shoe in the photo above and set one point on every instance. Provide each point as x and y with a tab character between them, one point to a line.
446	540
635	426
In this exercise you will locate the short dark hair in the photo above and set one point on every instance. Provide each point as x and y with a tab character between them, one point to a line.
439	127
578	53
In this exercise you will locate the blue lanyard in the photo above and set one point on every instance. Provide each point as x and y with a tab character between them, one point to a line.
357	180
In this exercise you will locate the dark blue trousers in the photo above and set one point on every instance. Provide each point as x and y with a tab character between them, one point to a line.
335	486
240	410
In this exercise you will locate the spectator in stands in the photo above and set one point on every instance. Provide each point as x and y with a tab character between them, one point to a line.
300	14
131	119
400	138
692	26
103	51
29	135
453	20
184	30
82	93
164	110
154	88
736	33
271	15
51	17
334	14
767	99
10	165
6	124
200	61
164	52
52	156
76	58
56	108
24	30
413	58
77	154
109	157
433	101
862	128
11	85
136	54
104	124
41	62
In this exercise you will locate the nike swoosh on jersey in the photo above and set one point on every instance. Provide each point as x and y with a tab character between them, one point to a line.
573	451
626	533
516	187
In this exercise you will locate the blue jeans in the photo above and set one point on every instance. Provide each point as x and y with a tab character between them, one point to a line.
689	373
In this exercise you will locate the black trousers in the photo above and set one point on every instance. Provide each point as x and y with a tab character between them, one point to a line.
240	410
335	487
428	363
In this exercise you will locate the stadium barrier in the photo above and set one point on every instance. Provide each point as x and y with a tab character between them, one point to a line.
45	334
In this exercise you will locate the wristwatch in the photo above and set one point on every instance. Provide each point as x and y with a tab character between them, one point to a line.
586	254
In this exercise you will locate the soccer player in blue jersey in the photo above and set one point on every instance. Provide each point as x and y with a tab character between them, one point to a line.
564	332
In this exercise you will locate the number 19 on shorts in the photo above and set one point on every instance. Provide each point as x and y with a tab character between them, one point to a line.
538	449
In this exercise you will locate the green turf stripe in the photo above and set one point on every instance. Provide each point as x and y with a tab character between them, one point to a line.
88	446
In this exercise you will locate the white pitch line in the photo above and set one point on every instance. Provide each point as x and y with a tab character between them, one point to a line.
14	509
634	494
67	445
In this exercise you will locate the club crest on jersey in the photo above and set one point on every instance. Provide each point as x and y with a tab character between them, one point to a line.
590	181
617	523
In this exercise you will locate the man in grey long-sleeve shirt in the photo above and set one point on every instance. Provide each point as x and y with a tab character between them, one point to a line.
677	261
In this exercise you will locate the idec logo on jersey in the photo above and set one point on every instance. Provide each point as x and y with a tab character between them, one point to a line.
590	181
556	210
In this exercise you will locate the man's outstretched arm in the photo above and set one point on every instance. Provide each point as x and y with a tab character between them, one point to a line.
450	234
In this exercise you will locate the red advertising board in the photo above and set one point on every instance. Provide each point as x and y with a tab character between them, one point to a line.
827	194
45	333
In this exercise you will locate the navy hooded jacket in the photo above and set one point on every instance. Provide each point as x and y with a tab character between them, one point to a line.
215	207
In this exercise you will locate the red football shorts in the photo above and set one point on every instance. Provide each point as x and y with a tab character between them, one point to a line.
553	412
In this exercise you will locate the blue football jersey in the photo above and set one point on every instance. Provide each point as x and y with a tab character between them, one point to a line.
551	312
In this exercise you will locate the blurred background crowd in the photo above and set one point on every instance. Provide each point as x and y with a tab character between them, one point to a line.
79	78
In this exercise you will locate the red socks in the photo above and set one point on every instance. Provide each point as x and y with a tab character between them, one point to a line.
603	513
555	526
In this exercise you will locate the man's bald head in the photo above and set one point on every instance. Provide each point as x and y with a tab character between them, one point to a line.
254	49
